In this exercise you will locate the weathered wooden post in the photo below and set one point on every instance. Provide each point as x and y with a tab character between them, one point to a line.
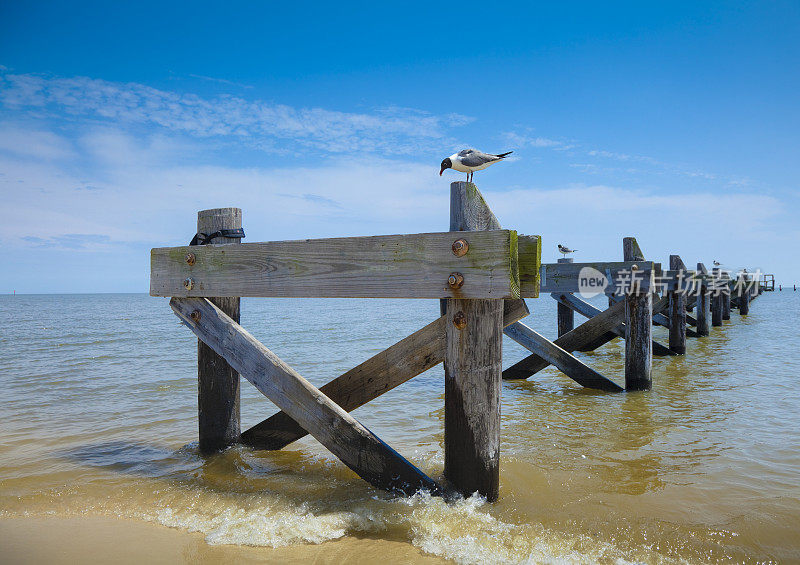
726	298
638	326
703	303
744	295
677	310
566	316
217	382
473	368
716	298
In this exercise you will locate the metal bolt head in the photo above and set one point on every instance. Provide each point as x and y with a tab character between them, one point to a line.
455	280
190	258
460	320
195	316
460	247
188	284
635	267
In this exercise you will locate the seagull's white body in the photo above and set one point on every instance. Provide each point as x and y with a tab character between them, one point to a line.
462	168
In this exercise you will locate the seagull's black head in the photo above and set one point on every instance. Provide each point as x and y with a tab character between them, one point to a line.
560	246
446	164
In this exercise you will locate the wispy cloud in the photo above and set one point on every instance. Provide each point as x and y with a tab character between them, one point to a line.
387	130
525	140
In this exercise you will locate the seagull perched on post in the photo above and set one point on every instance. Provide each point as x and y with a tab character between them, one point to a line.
717	263
565	250
471	160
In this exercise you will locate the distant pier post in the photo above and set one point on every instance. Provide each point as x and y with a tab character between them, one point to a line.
703	303
677	309
566	315
638	327
716	299
473	368
744	295
726	299
217	382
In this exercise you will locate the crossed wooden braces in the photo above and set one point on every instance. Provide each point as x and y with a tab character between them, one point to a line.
483	265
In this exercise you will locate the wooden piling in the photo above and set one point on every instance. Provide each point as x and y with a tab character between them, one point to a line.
703	304
473	369
716	299
638	327
566	317
217	382
744	295
677	311
726	302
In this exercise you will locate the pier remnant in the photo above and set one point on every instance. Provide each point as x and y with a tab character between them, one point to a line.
717	297
565	315
703	302
218	384
473	367
677	309
638	326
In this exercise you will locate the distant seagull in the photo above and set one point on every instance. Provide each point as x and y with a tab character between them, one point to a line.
565	250
471	160
717	263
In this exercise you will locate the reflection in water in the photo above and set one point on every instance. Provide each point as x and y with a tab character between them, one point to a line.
99	418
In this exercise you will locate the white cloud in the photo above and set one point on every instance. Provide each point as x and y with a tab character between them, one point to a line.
35	143
389	130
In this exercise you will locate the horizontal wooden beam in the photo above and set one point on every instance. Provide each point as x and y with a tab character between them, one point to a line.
333	427
404	360
567	363
566	277
387	266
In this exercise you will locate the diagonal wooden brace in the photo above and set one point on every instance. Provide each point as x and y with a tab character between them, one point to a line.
581	336
404	360
567	363
585	309
357	447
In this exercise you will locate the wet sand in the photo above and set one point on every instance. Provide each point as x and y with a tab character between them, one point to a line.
100	539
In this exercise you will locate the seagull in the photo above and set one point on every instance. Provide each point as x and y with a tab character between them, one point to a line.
471	160
564	250
717	263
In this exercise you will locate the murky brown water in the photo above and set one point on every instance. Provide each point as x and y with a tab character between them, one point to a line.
98	418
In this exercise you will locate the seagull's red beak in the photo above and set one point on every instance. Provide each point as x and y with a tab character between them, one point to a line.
441	171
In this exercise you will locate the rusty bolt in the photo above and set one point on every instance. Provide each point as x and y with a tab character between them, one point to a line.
460	247
190	258
188	284
195	316
460	320
456	280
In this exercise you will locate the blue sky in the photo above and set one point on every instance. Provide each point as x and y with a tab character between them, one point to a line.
676	123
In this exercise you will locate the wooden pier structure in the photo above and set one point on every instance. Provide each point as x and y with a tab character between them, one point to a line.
481	273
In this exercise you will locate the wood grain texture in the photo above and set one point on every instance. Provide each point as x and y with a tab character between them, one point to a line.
390	368
473	367
638	328
390	266
333	427
586	333
564	277
218	384
703	305
530	261
568	364
677	311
